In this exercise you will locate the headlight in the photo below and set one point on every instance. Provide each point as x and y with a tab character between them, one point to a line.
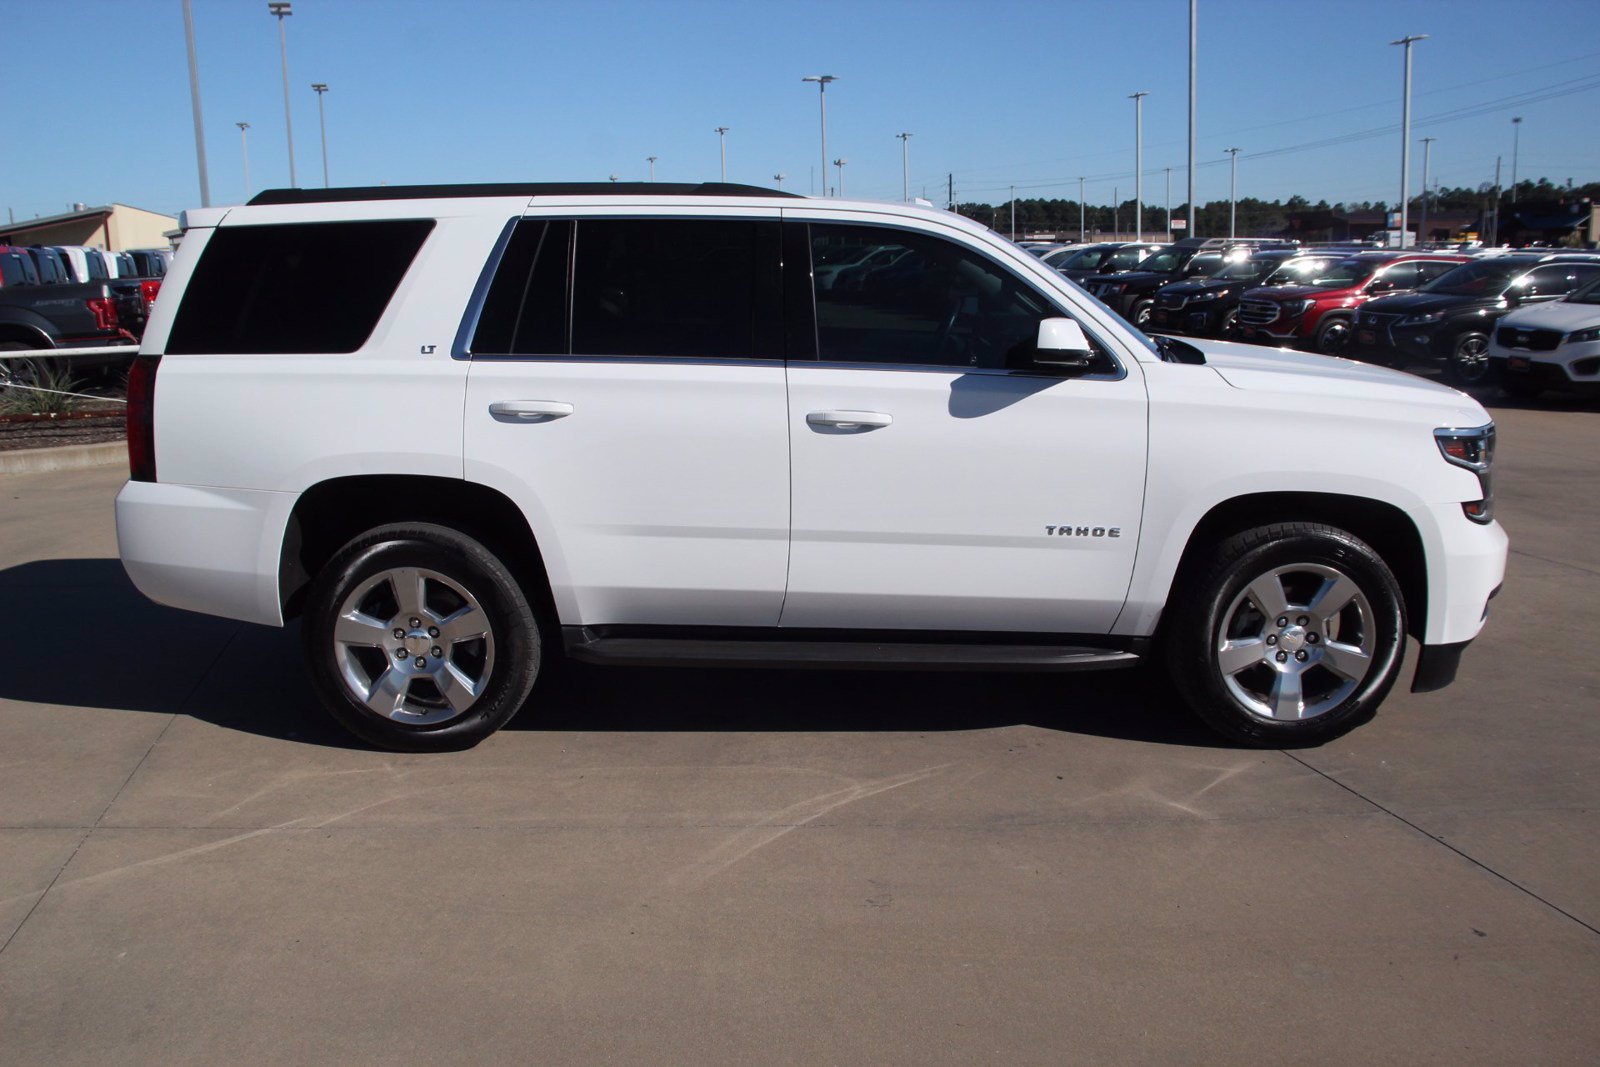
1581	336
1196	298
1473	449
1110	289
1300	307
1422	320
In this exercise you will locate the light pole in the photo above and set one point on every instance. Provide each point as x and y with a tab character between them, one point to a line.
1516	143
778	177
905	166
1083	230
1138	163
613	176
840	162
652	161
1427	151
1169	204
1191	229
1013	212
322	123
283	9
194	99
822	81
244	150
1233	192
722	141
1405	136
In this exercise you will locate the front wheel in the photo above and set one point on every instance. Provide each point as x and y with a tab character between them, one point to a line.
1286	635
419	639
1229	329
1333	337
1469	358
1143	311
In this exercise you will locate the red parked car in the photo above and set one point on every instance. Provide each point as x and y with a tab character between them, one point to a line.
1311	300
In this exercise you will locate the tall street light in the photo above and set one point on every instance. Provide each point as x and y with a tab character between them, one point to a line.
194	100
244	150
1083	231
1013	212
840	162
1405	136
1169	203
1427	151
652	161
1516	143
1192	230
322	121
1233	192
778	177
1138	163
722	141
283	9
905	166
822	81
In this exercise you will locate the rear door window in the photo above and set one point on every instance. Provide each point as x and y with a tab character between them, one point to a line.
294	288
525	312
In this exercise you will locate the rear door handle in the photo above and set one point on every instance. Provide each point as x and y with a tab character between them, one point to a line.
529	410
850	420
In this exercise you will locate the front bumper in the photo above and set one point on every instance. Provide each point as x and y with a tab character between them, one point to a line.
1202	320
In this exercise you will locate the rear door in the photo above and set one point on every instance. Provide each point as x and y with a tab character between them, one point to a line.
941	479
627	391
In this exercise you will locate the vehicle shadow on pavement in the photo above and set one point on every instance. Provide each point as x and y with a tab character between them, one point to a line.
94	641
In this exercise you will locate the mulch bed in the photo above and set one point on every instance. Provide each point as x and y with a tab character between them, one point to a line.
94	424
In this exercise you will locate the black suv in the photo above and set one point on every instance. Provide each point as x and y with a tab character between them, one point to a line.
1209	307
1451	317
1104	258
1131	294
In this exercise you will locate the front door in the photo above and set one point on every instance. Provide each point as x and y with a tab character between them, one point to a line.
941	479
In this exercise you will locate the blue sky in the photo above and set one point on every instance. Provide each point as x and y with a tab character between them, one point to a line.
998	92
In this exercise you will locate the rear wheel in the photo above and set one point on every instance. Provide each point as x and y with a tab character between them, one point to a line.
1285	635
18	371
1469	358
419	639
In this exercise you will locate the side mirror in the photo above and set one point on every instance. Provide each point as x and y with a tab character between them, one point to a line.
1063	346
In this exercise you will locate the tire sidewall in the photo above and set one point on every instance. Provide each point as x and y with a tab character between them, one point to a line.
1217	705
463	560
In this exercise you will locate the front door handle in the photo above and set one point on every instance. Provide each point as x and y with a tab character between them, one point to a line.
529	410
850	420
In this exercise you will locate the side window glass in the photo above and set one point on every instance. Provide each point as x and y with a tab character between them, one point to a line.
525	312
1429	270
933	304
699	288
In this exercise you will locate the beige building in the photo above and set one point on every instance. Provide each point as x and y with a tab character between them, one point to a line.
115	228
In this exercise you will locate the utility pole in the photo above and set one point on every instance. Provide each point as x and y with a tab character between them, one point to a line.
1495	233
905	166
722	141
1427	153
1169	204
1516	143
283	9
1233	192
244	150
194	100
1013	212
950	180
1191	223
1083	231
652	161
1138	163
1405	136
1116	212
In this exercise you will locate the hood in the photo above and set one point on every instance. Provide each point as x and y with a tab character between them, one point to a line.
1555	315
1135	277
1420	303
1201	285
1293	292
1282	370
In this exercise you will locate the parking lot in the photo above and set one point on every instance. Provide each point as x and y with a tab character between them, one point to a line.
688	866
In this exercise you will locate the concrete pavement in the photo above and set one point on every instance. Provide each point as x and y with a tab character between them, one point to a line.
717	867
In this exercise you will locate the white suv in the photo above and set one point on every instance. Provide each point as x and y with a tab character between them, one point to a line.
621	422
1550	346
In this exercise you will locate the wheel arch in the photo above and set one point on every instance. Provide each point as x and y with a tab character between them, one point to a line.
1389	530
27	333
329	514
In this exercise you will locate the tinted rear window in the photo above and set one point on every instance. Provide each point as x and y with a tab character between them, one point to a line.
302	287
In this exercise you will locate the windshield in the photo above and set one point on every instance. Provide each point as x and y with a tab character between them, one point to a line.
1486	277
1164	262
1586	294
1084	259
1323	273
1245	270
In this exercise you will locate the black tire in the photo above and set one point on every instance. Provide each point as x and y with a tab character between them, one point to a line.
1333	336
1204	607
1142	312
514	638
1469	358
1228	329
24	371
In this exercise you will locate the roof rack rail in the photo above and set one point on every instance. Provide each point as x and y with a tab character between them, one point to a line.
447	192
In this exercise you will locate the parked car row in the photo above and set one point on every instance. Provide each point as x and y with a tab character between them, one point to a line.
1390	307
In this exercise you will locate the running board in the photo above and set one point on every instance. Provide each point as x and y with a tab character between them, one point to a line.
844	655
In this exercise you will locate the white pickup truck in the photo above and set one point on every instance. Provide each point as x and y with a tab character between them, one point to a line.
622	423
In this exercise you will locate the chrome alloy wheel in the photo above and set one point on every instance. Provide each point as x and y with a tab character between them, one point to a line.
1296	642
413	646
1471	358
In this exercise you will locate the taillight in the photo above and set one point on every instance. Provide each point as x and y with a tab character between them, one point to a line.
142	418
148	290
105	312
